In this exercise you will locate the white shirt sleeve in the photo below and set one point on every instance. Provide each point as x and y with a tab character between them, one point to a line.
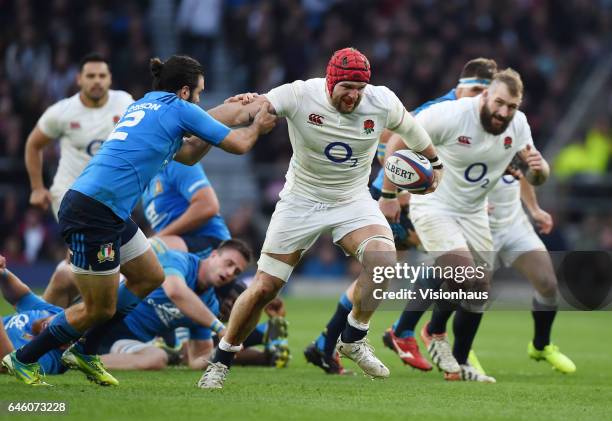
401	122
286	98
523	131
434	120
49	122
396	109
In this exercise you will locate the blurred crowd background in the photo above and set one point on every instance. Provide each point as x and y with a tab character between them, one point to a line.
416	47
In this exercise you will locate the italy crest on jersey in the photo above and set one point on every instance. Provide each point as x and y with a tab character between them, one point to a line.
158	187
106	253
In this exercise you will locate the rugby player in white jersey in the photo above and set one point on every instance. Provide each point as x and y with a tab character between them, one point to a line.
477	138
81	123
334	126
517	245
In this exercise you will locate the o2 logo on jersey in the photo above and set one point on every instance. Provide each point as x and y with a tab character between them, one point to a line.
94	146
476	172
508	178
340	152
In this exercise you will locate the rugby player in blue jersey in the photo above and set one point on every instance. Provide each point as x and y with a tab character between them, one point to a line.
475	77
186	299
95	219
182	208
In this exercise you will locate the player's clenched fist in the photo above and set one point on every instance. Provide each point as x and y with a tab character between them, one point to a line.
390	208
263	119
40	198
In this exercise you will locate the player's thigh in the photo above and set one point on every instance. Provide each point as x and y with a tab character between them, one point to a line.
445	240
144	273
356	221
537	267
295	225
140	355
99	292
516	240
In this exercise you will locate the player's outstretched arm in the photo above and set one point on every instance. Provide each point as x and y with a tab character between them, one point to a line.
11	286
538	169
192	151
190	304
239	110
203	205
241	140
35	144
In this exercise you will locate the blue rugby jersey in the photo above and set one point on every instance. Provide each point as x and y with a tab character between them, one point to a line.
169	194
143	142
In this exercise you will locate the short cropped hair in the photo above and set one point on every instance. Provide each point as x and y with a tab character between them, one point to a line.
178	71
512	79
238	245
92	58
481	68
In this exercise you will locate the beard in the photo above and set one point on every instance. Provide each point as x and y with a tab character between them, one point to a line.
487	118
339	105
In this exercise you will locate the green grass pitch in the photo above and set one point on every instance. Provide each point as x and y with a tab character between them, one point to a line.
525	389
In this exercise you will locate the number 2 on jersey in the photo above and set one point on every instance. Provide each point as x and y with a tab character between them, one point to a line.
130	120
476	173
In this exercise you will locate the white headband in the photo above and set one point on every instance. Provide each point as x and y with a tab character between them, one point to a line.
470	82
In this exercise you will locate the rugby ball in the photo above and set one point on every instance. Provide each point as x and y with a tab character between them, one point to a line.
409	170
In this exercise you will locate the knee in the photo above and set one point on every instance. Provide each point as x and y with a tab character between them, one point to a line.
265	291
546	286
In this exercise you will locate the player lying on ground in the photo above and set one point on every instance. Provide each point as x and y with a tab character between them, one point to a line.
334	127
478	138
94	214
474	78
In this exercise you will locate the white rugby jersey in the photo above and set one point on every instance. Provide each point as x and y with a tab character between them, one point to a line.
81	131
474	160
333	152
505	198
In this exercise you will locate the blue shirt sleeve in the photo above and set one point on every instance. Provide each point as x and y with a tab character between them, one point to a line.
198	122
188	179
32	301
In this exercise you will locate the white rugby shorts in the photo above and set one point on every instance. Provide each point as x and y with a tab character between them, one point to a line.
297	222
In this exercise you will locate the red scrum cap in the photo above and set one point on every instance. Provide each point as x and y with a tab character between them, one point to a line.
347	64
